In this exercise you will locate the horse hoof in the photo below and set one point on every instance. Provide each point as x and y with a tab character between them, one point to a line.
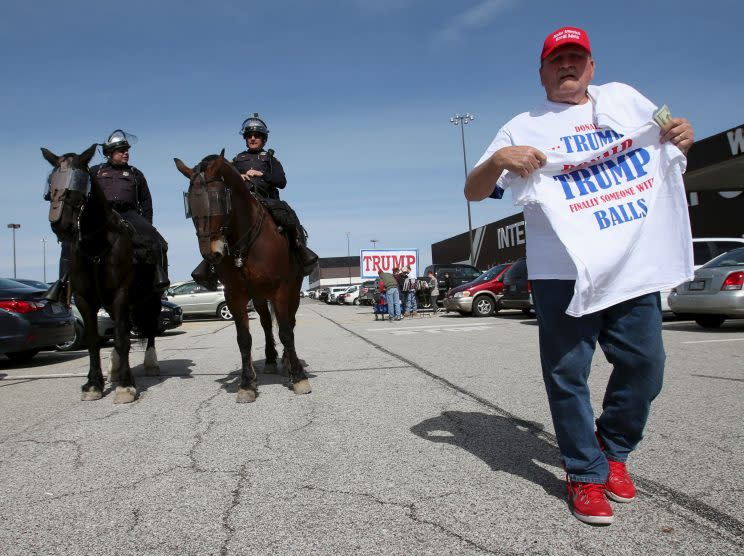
151	362
302	387
91	395
125	394
246	395
271	368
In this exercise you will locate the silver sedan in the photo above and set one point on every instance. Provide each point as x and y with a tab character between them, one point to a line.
716	292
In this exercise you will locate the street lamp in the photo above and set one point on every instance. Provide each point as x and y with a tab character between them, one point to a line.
43	255
348	254
14	227
462	121
374	242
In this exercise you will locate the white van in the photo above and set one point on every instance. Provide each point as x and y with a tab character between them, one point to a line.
703	250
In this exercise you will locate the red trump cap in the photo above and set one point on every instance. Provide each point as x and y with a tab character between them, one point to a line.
563	36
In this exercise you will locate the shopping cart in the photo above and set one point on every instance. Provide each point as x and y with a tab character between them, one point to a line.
380	306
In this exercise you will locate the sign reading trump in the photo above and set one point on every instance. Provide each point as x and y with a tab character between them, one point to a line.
373	260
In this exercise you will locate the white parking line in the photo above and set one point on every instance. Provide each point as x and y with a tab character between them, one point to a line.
31	377
390	327
711	341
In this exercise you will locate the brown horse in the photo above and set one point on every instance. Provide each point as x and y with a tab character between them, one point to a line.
252	259
103	272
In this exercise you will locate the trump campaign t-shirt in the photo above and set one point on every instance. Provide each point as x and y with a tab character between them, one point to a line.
593	225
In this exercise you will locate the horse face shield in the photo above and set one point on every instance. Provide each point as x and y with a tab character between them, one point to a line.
209	207
68	189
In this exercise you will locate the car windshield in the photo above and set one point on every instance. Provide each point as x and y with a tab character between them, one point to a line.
735	257
491	273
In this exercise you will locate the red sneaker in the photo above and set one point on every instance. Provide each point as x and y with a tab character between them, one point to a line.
619	486
588	503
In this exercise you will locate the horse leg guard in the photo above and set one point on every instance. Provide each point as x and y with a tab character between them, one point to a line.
114	366
125	394
152	368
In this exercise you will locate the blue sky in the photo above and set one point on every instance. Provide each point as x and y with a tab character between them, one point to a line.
357	95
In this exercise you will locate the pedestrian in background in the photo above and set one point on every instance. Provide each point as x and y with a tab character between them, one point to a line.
392	294
628	332
409	291
447	285
433	292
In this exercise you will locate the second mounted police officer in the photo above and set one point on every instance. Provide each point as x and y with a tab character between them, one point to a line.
126	189
264	175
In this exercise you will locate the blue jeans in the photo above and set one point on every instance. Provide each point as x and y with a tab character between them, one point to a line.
411	305
629	334
393	301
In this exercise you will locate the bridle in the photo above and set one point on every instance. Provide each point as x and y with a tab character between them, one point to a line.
201	205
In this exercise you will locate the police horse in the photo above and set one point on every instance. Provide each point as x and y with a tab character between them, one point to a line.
102	272
252	258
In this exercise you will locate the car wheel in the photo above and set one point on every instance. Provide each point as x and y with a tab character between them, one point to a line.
710	321
482	306
223	312
22	356
76	342
529	312
355	302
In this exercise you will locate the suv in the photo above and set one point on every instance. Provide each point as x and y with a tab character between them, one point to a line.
367	292
349	297
479	297
705	249
517	288
459	274
333	294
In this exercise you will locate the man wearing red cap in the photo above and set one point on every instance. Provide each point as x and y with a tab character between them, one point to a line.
629	332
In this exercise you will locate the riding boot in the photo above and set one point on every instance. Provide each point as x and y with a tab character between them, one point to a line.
161	281
204	275
57	292
308	256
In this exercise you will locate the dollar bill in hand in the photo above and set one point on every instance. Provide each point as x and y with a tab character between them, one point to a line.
662	116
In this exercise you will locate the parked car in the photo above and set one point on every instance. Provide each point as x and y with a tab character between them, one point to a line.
367	292
198	300
479	297
705	249
517	292
459	274
350	296
715	294
170	317
333	294
323	294
29	323
38	284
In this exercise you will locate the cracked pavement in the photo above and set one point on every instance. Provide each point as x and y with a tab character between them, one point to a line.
414	443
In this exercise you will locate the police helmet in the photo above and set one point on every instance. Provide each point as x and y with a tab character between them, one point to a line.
118	139
254	124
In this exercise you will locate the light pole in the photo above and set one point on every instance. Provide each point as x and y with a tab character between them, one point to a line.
14	227
374	242
348	254
462	121
43	255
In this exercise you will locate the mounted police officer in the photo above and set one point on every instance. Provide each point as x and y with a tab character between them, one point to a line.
125	187
264	175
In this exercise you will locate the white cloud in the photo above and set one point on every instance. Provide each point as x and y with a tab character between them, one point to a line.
477	16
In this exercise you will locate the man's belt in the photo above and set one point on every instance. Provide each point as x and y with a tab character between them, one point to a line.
122	206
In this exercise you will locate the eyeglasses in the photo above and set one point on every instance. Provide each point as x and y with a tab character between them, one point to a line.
248	134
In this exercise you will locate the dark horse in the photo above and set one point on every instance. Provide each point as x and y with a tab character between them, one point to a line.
252	259
102	272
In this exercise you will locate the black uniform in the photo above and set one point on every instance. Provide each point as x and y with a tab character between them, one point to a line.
125	187
273	177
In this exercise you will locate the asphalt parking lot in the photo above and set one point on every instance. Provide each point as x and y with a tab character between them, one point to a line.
427	436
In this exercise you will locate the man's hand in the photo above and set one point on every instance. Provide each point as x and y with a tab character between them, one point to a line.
250	173
520	160
679	132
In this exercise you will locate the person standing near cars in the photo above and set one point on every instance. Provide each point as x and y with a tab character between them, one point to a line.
433	291
409	291
628	332
392	295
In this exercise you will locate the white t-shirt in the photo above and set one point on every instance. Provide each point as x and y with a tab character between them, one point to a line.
620	213
566	128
